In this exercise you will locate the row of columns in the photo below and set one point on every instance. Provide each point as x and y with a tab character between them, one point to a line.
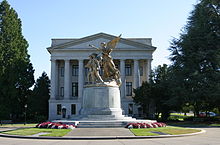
54	77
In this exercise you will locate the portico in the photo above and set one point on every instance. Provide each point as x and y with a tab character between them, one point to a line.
68	73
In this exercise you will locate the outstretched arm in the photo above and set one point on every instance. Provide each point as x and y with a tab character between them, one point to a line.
94	47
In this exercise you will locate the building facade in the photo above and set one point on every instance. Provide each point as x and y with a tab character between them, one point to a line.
132	56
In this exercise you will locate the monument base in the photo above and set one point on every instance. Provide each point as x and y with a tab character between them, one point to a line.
101	108
102	102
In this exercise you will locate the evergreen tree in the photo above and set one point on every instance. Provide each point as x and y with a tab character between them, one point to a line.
196	57
143	97
38	101
159	92
16	71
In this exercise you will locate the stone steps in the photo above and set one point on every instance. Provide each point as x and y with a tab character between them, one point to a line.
99	124
106	118
102	123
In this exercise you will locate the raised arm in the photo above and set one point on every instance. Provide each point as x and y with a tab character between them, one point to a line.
94	47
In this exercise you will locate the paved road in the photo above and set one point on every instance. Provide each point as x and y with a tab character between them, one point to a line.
211	137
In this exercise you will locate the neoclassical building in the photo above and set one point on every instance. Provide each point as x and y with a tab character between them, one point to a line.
132	57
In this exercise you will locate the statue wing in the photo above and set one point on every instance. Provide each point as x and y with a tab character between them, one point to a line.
111	44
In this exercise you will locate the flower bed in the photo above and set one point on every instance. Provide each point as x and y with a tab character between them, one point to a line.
145	125
57	125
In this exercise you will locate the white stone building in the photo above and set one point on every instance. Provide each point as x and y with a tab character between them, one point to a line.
132	56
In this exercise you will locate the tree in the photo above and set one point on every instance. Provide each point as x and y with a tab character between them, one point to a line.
158	91
16	71
196	57
143	97
38	101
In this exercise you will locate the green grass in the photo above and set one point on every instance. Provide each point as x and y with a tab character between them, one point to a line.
167	130
18	125
193	124
215	124
179	114
32	131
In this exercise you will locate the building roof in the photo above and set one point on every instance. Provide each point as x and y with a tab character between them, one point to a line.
66	43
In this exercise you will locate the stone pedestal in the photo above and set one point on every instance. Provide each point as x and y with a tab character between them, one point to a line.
102	102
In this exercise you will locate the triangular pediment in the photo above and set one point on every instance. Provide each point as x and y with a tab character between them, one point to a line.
96	39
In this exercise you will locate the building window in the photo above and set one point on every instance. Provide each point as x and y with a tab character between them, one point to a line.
75	89
61	71
75	70
62	91
128	70
58	109
141	70
128	88
130	108
73	109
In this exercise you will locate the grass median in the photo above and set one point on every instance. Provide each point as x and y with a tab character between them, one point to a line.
33	131
194	124
18	125
162	130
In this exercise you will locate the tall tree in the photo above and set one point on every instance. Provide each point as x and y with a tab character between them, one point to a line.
38	101
196	56
16	71
158	91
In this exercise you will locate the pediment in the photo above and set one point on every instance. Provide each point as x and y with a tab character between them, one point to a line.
83	43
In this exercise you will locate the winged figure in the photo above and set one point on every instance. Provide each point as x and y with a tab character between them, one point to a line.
108	47
109	70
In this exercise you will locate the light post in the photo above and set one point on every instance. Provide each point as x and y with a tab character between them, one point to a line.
25	114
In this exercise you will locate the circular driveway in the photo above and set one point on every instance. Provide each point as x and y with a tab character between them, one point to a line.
211	137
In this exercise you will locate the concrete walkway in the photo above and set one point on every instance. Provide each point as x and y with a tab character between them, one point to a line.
99	132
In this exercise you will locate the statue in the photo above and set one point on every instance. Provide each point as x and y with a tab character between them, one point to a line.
110	72
94	67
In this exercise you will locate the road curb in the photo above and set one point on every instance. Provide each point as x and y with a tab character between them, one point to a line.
100	137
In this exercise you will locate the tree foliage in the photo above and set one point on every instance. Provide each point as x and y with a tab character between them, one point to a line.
158	91
196	57
38	101
16	71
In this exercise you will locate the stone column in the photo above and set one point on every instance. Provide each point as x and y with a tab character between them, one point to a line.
53	78
148	69
80	78
122	72
136	74
67	79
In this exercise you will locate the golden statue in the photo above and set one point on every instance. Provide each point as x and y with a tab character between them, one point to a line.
110	72
94	67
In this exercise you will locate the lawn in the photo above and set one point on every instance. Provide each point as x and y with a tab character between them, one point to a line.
32	131
178	116
215	125
18	125
166	130
194	124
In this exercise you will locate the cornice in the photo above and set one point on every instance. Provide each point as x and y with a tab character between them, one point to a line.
100	35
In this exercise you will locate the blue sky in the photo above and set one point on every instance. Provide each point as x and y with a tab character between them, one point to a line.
43	20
